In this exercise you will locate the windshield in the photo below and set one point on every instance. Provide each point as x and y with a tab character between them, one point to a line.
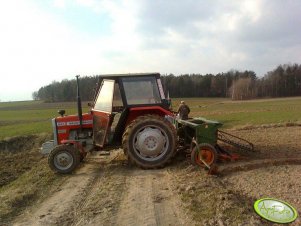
141	90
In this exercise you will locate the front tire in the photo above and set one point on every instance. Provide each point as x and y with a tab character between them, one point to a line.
149	141
63	159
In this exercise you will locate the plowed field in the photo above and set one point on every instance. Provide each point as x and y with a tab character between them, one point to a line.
105	190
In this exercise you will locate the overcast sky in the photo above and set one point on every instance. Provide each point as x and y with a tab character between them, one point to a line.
46	40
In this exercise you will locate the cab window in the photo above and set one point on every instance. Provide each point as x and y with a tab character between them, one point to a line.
142	90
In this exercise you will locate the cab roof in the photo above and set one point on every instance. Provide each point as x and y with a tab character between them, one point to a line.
130	75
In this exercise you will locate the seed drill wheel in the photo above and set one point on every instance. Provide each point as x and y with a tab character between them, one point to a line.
64	159
206	152
149	141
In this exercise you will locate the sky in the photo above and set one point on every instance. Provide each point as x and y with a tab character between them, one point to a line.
50	40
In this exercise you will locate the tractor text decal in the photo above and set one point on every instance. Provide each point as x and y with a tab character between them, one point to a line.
74	123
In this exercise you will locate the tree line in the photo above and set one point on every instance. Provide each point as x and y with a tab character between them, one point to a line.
283	81
66	90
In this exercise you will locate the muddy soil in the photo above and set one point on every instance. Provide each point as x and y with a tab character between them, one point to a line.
105	190
18	155
272	171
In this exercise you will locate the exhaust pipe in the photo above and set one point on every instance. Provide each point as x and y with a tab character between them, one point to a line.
79	105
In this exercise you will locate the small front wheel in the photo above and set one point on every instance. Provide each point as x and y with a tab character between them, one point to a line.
63	159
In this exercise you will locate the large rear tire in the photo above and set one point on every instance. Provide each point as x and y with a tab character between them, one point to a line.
63	159
149	141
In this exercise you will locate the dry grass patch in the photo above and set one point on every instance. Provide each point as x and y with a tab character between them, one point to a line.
24	174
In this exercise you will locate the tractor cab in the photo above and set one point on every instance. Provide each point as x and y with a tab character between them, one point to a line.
122	98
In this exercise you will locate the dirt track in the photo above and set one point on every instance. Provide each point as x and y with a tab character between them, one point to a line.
114	194
107	191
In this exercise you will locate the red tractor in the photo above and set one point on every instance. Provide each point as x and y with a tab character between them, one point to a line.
129	110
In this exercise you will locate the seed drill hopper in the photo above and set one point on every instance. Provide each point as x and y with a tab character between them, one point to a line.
203	138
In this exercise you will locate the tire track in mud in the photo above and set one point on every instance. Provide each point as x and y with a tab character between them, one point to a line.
150	200
232	168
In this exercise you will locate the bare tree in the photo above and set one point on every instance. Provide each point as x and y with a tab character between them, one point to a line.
242	89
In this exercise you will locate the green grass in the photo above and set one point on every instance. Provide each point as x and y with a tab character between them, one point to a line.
30	117
18	103
243	113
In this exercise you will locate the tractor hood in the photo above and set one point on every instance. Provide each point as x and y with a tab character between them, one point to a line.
71	122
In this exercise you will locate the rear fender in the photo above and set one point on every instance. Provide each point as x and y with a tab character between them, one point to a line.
146	110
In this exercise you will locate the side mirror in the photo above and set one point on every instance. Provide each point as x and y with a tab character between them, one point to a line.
61	112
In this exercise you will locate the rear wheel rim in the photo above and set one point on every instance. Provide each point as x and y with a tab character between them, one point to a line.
150	143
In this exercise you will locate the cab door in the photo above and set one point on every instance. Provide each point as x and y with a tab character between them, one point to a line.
102	112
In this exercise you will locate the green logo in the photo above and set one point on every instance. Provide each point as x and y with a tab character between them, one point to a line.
275	210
